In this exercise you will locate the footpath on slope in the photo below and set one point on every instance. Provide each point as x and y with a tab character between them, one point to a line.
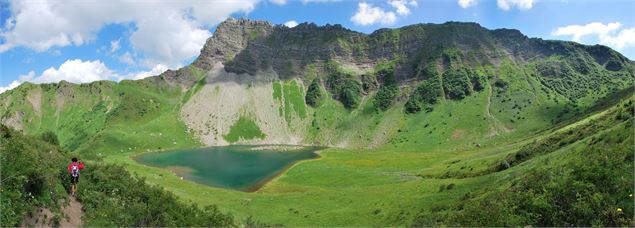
71	216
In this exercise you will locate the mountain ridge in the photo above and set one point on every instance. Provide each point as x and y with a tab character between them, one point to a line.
262	72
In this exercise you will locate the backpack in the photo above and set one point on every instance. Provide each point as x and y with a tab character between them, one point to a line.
75	170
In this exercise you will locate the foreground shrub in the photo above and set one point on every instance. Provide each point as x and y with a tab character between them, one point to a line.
112	197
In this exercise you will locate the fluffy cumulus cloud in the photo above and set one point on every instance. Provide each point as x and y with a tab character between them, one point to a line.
608	34
520	4
579	31
291	23
467	3
167	32
156	70
369	14
79	71
402	6
624	39
75	70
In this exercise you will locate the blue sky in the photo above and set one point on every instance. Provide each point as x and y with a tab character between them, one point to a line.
81	41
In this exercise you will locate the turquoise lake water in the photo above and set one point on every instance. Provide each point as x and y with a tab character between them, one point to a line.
236	167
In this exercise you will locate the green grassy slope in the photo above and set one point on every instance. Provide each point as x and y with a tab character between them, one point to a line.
386	186
103	117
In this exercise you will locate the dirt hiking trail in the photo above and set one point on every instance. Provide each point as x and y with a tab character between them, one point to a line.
71	216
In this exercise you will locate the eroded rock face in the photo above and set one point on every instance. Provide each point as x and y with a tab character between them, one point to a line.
230	38
247	46
14	120
226	97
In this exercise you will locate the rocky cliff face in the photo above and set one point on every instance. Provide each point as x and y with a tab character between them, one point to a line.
246	46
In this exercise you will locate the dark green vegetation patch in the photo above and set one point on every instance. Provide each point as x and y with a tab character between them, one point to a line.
343	86
389	89
314	94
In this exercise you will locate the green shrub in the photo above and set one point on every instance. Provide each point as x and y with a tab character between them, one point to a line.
50	137
389	88
478	83
385	96
412	106
344	87
456	83
424	96
112	197
30	169
369	82
314	94
500	83
350	94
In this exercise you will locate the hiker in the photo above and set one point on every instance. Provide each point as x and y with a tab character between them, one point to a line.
73	170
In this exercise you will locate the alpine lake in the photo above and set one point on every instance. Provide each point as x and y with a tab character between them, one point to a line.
238	167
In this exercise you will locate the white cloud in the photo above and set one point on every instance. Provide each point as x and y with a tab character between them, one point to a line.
76	71
624	39
167	32
367	14
607	34
291	23
402	6
79	71
114	46
521	4
170	42
278	2
156	70
579	31
467	3
11	86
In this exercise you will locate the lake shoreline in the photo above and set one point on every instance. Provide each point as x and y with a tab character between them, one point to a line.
244	149
263	183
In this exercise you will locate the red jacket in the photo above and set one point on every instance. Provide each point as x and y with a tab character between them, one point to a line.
70	166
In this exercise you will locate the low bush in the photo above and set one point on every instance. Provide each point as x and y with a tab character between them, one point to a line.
456	83
385	96
30	171
424	96
112	197
314	94
344	87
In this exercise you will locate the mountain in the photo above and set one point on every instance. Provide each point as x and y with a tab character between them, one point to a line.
426	125
260	73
